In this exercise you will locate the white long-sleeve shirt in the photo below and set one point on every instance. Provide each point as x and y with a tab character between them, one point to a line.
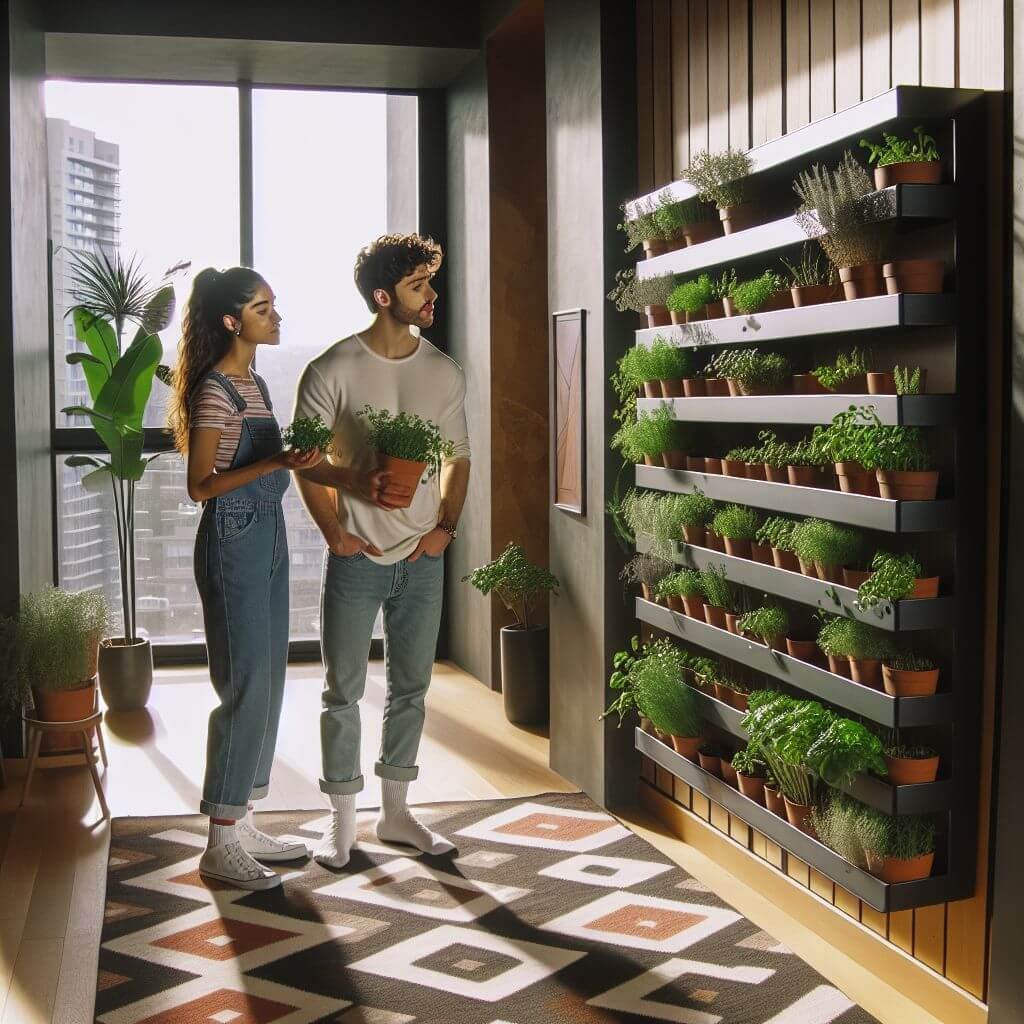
348	376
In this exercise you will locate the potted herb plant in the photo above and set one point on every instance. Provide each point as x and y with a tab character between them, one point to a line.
769	624
691	220
909	381
709	758
407	447
647	571
738	525
835	643
867	647
750	771
715	384
691	592
643	295
649	437
739	695
642	229
670	218
669	364
622	680
901	463
897	849
758	373
721	288
688	301
827	546
695	512
667	702
909	675
904	161
836	825
776	456
812	280
308	433
910	764
524	646
763	294
776	533
734	461
717	595
848	374
847	441
841	210
895	578
808	465
719	178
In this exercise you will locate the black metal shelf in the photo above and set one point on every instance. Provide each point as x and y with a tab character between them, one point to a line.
905	410
931	202
854	509
876	893
894	712
920	103
925	798
894	616
883	312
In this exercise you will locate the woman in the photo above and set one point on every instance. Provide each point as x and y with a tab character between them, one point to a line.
223	422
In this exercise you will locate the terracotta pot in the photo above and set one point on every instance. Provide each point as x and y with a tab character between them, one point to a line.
854	577
740	701
751	787
648	594
908	486
676	317
855	479
776	474
925	588
658	316
915	277
839	666
405	478
806	568
775	801
663	737
655	247
807	384
694	535
714	616
732	467
694	387
722	693
729	773
912	771
894	870
675	602
737	218
867	672
646	725
737	548
695	463
749	392
672	388
910	172
649	461
64	706
712	465
694	607
814	295
756	471
727	305
780	300
674	460
862	282
688	746
734	387
898	683
805	650
730	623
714	310
661	600
717	387
652	389
785	560
803	476
881	384
703	231
761	553
799	816
829	573
712	541
711	763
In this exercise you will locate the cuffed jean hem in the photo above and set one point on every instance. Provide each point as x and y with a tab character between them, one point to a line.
342	788
234	812
259	792
396	774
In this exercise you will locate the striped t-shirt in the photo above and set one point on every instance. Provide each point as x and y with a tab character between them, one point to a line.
212	407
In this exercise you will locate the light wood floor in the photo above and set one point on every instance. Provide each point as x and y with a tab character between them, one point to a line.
53	852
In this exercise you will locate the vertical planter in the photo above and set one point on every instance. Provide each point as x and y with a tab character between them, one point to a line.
524	674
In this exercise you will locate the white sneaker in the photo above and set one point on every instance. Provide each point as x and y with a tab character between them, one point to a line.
263	847
229	863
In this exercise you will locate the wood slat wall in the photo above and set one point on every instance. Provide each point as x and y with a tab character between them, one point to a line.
740	73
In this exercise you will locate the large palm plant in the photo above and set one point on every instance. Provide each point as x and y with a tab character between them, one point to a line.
109	294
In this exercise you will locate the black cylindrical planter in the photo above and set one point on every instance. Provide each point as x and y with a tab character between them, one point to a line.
524	674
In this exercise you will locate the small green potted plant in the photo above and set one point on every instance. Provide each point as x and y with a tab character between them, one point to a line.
812	279
836	825
905	674
776	456
717	595
622	681
909	764
846	375
897	849
738	525
650	438
636	372
808	465
407	447
646	570
907	380
669	364
765	293
642	229
520	584
688	586
689	222
761	373
695	512
769	624
895	578
904	161
847	441
646	295
308	433
734	461
687	302
868	647
669	704
750	773
709	758
721	288
776	533
827	546
901	463
720	178
835	642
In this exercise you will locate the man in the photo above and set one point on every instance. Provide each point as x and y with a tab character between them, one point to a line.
380	554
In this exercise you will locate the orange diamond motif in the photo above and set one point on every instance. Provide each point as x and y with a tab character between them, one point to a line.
646	922
560	827
223	939
224	1004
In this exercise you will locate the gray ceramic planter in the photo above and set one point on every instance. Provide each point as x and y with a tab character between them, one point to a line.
126	673
524	674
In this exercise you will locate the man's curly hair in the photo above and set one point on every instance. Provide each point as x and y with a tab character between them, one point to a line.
385	261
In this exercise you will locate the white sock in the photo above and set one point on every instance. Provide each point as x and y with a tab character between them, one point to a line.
334	849
221	834
397	825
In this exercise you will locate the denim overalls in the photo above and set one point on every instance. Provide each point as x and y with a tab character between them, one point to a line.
241	568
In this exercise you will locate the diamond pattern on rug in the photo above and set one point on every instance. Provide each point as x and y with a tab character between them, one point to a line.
551	912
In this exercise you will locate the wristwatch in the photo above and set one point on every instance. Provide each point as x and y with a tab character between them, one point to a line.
448	528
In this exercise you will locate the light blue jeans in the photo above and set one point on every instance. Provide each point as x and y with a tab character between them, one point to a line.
354	590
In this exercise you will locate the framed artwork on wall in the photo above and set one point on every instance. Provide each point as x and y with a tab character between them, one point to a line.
568	411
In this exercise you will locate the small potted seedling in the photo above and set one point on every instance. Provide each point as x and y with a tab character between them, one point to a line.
646	570
717	595
776	534
808	465
740	696
670	364
776	456
763	294
769	624
691	592
895	578
687	302
635	372
868	647
909	675
671	706
709	759
750	774
642	229
812	280
307	434
897	849
910	764
828	547
909	380
847	441
667	592
720	289
670	220
904	161
847	375
729	776
738	525
646	295
834	641
902	465
408	447
695	512
720	178
758	373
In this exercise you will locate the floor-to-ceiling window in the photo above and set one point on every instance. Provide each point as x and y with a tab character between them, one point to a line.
154	171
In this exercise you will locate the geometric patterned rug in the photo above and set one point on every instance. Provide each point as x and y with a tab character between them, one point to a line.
550	912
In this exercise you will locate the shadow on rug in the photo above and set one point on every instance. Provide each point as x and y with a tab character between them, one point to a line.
549	912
